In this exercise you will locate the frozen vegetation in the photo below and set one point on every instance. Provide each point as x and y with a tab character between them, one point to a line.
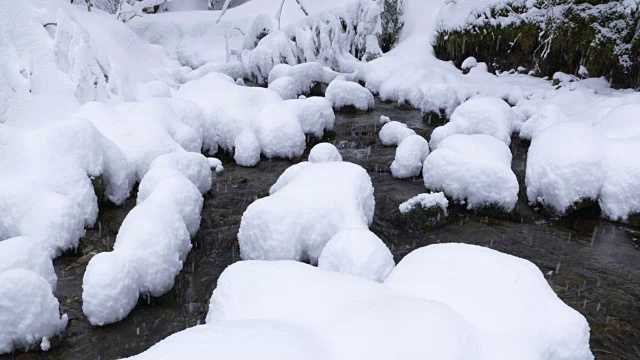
104	100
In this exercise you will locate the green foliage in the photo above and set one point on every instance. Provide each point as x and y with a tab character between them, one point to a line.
391	19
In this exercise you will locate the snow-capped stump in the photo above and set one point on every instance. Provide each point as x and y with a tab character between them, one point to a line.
473	169
506	298
410	156
324	152
565	166
359	252
347	312
479	115
431	203
29	313
393	132
308	205
24	253
152	242
345	95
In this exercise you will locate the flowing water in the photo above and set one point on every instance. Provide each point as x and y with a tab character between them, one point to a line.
593	265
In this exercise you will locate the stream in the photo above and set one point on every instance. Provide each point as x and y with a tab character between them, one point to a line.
593	265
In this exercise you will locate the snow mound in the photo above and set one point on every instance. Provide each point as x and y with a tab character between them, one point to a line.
542	119
479	115
511	304
342	93
359	252
393	132
620	192
347	312
425	201
469	63
286	87
29	313
475	169
324	152
153	241
410	156
25	253
308	205
384	119
302	77
565	165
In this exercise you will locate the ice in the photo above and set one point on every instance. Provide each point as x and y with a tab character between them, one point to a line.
511	304
342	93
425	201
479	115
309	204
410	156
324	152
473	169
393	132
29	313
359	252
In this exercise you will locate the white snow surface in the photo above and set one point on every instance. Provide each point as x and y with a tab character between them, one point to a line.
24	253
29	313
308	205
473	169
410	156
342	93
425	201
359	252
324	152
393	132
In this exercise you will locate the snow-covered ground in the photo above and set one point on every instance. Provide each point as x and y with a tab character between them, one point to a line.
87	99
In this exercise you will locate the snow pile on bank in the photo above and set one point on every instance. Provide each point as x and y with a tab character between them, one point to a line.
29	313
359	252
506	298
479	115
309	204
253	121
426	202
473	169
342	94
153	241
324	152
410	156
393	132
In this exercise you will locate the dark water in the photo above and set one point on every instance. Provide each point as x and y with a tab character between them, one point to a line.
594	265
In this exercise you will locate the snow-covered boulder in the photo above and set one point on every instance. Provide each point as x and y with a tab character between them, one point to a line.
306	208
393	132
620	192
286	87
479	115
24	253
359	252
324	152
469	63
300	78
342	93
565	165
473	169
29	313
426	202
410	156
505	297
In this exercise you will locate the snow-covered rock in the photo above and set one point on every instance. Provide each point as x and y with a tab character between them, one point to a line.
342	93
300	78
473	169
542	119
359	252
29	313
393	132
309	204
425	201
324	152
25	253
410	156
505	297
620	192
468	63
479	115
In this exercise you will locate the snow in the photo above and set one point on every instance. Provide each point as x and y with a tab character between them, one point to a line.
29	313
548	115
469	63
393	132
308	205
342	93
384	119
425	201
303	76
410	156
479	115
25	253
504	297
359	252
473	169
324	152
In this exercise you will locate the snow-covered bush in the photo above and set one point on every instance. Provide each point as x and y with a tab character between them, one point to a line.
410	156
473	169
